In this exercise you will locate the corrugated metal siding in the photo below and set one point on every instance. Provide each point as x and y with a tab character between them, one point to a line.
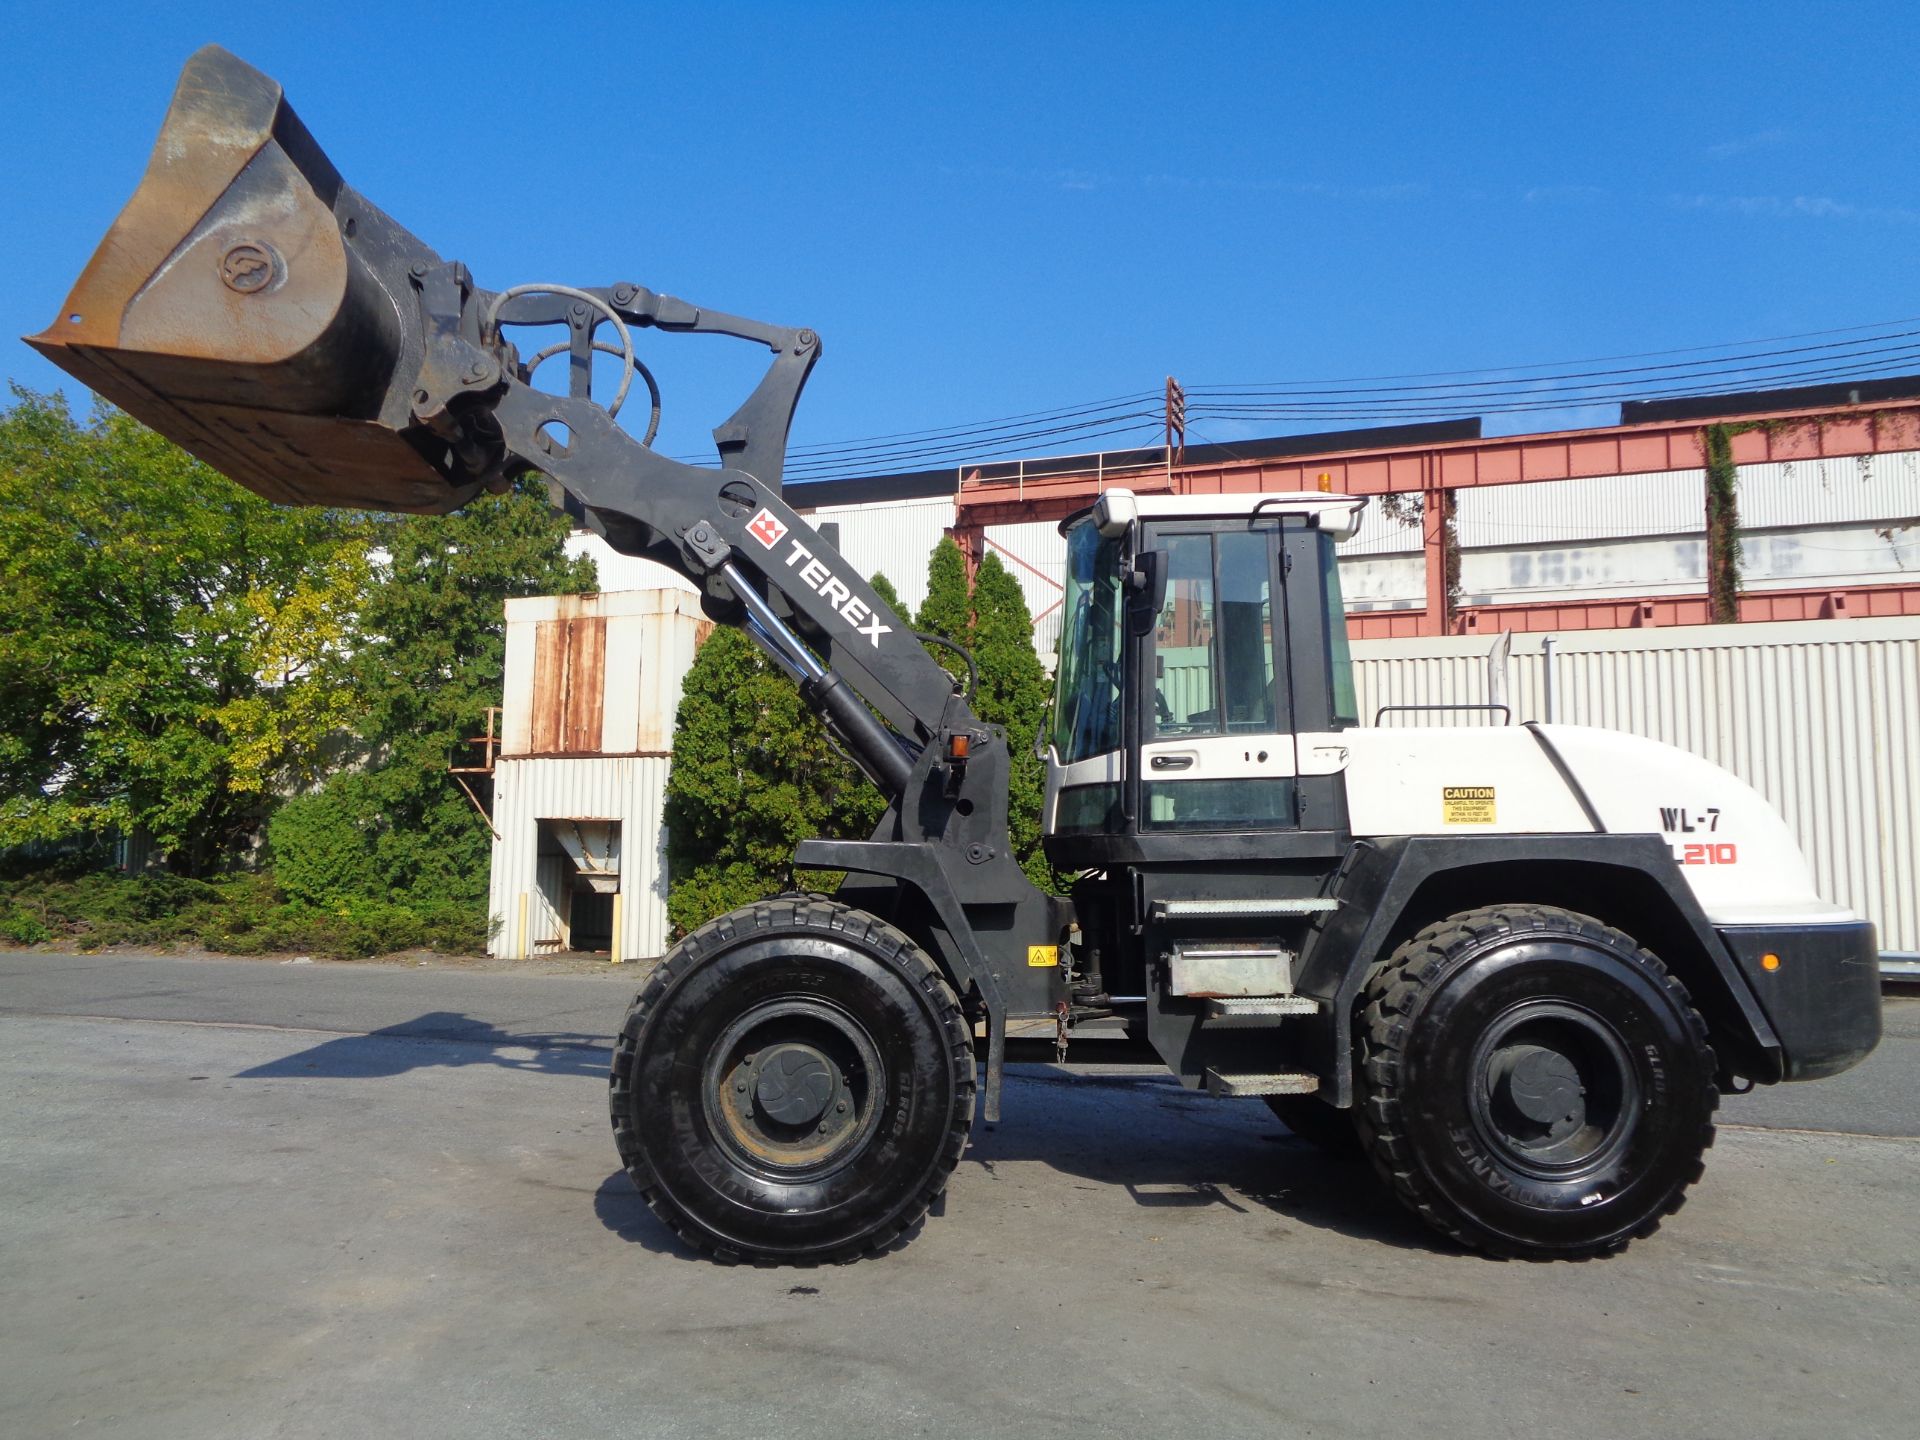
1036	555
1818	716
892	539
630	789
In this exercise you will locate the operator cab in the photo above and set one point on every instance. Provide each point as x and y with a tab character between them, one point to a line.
1204	644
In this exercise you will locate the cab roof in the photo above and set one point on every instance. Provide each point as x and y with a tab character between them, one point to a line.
1337	515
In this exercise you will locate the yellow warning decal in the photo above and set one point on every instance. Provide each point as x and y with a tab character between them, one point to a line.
1039	957
1466	804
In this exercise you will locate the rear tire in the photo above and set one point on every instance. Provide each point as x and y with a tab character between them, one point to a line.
1533	1083
794	1085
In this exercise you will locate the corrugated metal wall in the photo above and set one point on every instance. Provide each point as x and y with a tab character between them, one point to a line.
893	538
1819	716
630	789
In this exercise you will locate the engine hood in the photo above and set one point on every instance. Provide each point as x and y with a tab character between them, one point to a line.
1734	851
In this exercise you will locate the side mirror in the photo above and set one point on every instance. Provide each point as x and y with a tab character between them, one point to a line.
1146	591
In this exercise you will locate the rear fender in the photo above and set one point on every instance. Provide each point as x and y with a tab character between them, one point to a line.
1389	889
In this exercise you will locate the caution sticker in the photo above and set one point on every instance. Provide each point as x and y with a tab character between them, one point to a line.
1466	804
1041	957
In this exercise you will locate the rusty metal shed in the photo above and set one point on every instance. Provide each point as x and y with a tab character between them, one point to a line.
591	686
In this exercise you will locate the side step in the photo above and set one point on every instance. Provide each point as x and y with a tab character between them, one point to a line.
1240	909
1252	1010
1222	1086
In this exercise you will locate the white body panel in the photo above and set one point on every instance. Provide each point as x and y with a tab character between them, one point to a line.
1735	853
1397	782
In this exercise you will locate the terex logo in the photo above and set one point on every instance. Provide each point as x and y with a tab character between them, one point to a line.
766	528
819	579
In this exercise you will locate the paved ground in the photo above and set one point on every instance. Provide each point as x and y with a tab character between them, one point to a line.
252	1200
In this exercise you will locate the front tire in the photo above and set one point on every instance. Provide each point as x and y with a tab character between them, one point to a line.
794	1085
1533	1083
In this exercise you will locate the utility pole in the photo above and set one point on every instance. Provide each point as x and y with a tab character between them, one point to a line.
1176	422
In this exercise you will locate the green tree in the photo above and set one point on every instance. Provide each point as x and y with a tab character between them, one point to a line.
753	775
883	587
1013	692
172	647
948	608
429	653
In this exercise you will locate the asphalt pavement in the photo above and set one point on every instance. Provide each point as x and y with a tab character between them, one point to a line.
249	1199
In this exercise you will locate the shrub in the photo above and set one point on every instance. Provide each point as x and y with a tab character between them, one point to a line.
322	851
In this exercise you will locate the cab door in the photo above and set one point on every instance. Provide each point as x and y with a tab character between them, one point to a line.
1215	721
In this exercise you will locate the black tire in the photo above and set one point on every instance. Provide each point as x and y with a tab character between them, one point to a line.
1319	1124
794	1084
1533	1083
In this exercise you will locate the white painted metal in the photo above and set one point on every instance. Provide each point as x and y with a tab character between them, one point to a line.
619	572
1818	716
1738	856
1397	781
629	788
891	538
650	638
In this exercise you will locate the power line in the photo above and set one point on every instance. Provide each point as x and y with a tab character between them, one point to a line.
1872	351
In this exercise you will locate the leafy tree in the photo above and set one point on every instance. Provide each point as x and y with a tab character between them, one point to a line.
1013	692
752	776
172	646
429	653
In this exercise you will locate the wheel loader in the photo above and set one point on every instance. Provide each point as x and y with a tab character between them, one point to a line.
1514	965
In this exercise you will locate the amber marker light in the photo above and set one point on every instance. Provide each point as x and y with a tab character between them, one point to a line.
1769	961
958	746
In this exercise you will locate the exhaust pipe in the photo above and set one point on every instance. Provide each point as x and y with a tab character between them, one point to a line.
260	313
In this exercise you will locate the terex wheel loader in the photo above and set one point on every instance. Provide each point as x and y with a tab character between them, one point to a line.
1517	965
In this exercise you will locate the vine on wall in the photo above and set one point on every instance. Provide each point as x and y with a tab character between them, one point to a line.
1723	524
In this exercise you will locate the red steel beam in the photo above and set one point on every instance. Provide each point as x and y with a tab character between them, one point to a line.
1462	464
1432	471
1858	602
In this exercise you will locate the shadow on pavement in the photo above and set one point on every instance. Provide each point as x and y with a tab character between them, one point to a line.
439	1038
1168	1148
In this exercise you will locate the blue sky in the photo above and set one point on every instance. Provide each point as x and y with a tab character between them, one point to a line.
994	209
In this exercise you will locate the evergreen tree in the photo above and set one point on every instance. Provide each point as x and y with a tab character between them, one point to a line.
753	775
883	587
1013	693
948	608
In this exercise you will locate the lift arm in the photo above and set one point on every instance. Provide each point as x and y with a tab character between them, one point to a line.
260	312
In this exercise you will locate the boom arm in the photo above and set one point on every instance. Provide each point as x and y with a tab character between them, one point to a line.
254	308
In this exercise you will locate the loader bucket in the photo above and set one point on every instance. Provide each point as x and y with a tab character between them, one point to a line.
254	309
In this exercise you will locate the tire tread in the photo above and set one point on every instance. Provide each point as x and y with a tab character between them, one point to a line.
793	912
1390	1001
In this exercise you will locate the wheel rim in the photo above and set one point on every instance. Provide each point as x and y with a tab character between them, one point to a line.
1554	1090
792	1088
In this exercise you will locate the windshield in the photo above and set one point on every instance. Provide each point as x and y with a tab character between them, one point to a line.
1086	702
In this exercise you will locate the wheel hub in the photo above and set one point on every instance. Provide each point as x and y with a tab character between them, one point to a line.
1542	1086
1554	1091
795	1084
793	1087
